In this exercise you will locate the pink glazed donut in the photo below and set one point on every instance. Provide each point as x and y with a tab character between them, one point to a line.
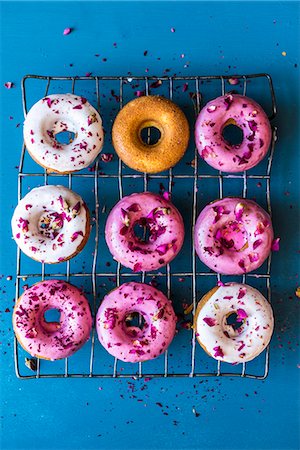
249	117
233	236
159	216
132	343
52	340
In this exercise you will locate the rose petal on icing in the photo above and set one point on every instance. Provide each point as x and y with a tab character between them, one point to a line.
253	257
239	211
125	217
241	314
257	243
137	267
228	101
208	152
75	235
242	293
162	249
77	107
275	245
218	352
209	321
67	31
241	264
76	209
135	207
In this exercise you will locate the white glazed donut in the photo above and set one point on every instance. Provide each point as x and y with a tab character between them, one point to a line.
250	332
63	112
51	224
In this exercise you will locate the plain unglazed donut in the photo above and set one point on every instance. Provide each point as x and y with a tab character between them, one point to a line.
52	340
63	112
51	224
165	225
248	334
233	236
150	111
237	110
132	343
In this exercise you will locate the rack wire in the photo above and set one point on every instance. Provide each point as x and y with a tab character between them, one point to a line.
167	277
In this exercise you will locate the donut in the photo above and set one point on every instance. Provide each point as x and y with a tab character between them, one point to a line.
144	112
63	112
233	236
242	112
52	340
233	323
133	343
51	224
162	221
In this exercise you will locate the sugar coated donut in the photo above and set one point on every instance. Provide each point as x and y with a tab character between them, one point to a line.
132	343
156	214
234	323
246	114
63	112
51	224
52	340
233	236
144	112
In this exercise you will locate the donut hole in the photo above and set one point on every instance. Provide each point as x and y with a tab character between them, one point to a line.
142	232
65	137
52	315
232	134
233	320
150	135
134	323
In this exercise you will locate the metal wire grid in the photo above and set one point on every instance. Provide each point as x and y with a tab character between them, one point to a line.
194	274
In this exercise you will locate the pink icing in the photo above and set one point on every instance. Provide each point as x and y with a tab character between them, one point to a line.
165	225
130	343
226	239
52	340
249	117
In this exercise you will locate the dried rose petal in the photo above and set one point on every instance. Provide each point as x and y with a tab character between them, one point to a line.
139	93
106	157
135	207
253	257
218	352
241	314
209	321
75	235
208	152
233	81
185	87
220	283
298	292
275	245
173	30
257	243
156	84
239	211
76	209
9	85
67	31
167	196
242	293
125	218
137	267
228	101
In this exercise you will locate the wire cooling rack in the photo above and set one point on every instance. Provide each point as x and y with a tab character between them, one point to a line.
202	172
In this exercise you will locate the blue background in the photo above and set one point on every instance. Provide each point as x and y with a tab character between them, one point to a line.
215	38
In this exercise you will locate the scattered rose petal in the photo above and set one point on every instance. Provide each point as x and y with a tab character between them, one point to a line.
220	283
173	30
241	314
242	293
167	195
185	87
106	157
137	267
209	321
275	245
298	292
257	243
218	352
233	81
139	93
211	108
67	31
9	85
239	211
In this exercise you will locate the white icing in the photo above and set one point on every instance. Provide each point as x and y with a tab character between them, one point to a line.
53	241
254	335
63	112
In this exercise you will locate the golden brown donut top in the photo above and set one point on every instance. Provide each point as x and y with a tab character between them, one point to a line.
144	112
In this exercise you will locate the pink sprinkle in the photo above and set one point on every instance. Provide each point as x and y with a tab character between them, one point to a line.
209	321
241	314
218	352
9	85
275	245
67	31
167	195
